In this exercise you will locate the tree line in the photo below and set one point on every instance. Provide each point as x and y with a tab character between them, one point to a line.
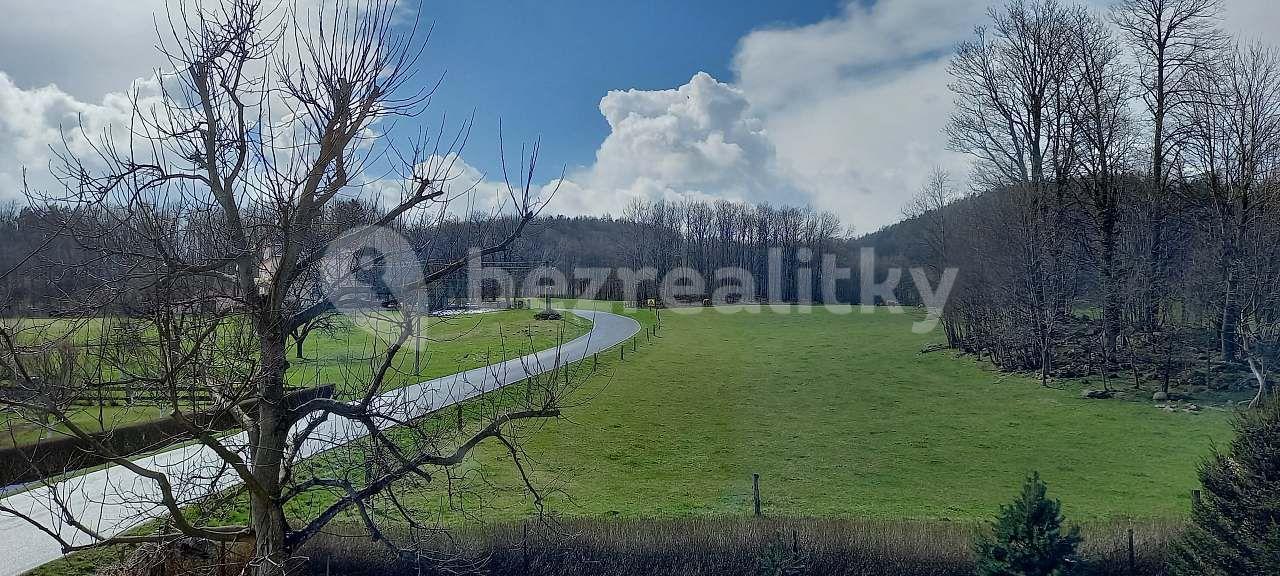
703	237
1125	214
658	235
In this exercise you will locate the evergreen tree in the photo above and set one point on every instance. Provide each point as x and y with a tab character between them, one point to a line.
1235	528
1028	538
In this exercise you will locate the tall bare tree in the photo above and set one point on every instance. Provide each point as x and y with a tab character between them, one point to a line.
1011	96
1099	110
210	209
1234	147
1173	42
929	205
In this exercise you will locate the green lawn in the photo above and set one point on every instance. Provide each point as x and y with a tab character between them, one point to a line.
344	357
446	345
842	416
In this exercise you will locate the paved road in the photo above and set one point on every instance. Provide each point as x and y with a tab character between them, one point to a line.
113	499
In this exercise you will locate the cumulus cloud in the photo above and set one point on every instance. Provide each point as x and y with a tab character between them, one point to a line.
844	115
700	140
87	48
859	123
32	121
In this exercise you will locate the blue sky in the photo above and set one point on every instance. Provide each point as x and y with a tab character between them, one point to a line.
542	67
835	104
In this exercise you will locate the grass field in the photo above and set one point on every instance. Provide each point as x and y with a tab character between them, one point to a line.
344	357
842	416
447	345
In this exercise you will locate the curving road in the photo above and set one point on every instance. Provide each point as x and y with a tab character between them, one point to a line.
112	500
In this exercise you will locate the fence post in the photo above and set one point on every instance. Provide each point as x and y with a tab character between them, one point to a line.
595	360
1132	559
1195	498
755	489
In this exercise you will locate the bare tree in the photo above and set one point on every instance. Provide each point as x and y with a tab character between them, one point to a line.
1099	110
1173	42
1234	147
1011	99
929	205
210	212
1006	80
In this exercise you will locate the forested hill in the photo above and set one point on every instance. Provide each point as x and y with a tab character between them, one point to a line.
704	237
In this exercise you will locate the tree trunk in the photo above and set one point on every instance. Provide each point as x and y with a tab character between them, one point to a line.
1259	374
266	515
1150	295
1151	292
1110	291
270	557
1230	321
299	338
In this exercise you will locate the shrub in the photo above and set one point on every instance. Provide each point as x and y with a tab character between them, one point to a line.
777	559
1235	527
1028	539
723	546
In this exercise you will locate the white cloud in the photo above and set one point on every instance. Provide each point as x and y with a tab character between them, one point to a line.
31	121
86	47
700	140
860	121
864	44
844	114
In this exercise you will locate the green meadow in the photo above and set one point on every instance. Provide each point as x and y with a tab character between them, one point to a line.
842	416
345	356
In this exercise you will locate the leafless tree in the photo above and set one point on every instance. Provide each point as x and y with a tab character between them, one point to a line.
929	205
1173	41
1234	146
210	209
1011	99
1099	110
1006	80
